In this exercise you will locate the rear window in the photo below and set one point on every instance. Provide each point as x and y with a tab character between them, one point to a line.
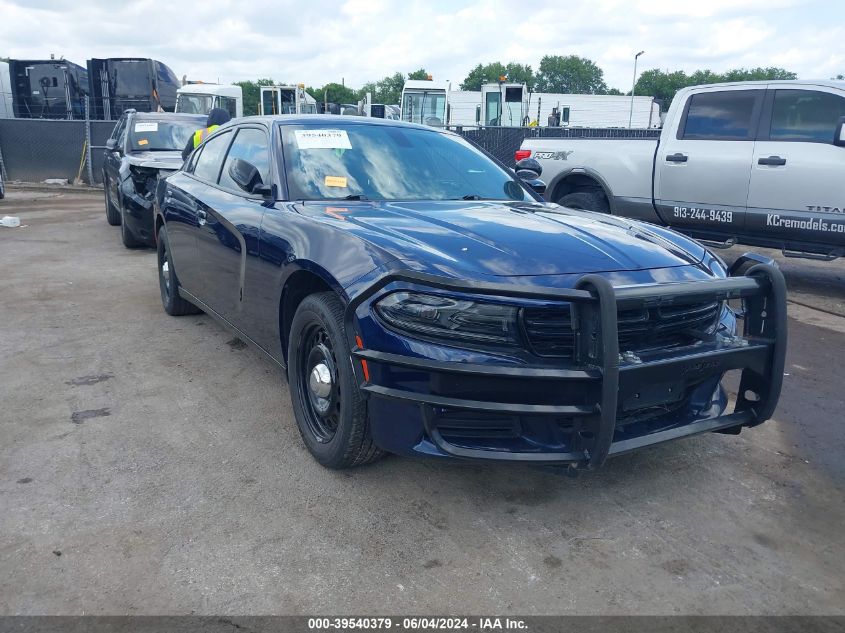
727	115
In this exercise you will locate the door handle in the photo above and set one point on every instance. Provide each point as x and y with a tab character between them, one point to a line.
202	218
677	157
771	160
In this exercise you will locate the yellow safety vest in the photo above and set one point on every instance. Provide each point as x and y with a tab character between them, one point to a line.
199	135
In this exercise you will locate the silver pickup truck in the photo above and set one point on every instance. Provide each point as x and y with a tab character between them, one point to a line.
759	163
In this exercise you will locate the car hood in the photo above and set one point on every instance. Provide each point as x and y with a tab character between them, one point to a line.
508	238
156	160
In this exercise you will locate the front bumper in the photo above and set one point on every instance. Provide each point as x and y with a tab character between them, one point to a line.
591	408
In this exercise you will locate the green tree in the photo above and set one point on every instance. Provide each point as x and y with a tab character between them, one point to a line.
334	93
422	74
571	75
490	73
663	85
758	74
252	93
387	90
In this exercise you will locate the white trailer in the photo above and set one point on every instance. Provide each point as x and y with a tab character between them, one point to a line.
6	111
201	98
286	100
512	105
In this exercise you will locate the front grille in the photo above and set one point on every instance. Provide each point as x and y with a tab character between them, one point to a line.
549	330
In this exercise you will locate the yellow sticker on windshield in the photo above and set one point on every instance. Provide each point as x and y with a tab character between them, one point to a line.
143	141
335	181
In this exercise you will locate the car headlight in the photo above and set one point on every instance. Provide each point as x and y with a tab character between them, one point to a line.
450	318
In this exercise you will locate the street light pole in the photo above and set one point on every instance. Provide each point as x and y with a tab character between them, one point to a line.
633	86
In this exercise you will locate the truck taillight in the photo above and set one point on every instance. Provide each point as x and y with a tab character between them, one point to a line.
519	154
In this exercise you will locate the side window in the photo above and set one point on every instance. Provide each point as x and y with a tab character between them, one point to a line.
228	104
207	165
121	134
805	115
115	133
192	161
727	115
250	145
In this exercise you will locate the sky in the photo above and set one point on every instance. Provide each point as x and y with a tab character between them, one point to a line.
318	41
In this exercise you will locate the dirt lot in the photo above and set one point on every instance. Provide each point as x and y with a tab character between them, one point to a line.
152	465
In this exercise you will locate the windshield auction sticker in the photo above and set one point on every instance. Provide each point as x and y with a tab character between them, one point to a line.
146	126
322	139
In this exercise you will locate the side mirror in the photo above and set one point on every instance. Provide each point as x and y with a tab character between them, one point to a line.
536	184
111	144
247	177
529	164
839	135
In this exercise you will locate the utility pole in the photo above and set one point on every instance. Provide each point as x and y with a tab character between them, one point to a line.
633	86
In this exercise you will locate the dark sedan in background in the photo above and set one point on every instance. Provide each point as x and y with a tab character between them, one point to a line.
142	148
425	301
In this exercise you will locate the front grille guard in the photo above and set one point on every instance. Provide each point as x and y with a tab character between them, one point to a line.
759	353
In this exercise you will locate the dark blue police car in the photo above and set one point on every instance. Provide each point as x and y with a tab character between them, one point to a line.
424	300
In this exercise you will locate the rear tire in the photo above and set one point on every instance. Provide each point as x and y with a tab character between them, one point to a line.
330	410
586	200
112	214
168	282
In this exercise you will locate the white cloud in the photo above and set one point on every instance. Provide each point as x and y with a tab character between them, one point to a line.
361	40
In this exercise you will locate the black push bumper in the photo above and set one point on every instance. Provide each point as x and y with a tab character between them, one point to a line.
598	367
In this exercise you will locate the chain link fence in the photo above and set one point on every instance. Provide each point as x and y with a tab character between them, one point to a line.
502	142
34	150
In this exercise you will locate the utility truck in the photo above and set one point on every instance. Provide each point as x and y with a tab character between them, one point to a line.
202	98
757	163
286	100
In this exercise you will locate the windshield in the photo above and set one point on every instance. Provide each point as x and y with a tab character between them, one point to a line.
194	103
426	108
383	162
156	135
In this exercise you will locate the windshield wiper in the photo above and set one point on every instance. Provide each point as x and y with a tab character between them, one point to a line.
356	196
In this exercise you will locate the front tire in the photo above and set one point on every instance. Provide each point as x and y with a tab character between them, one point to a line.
586	200
112	214
126	235
168	282
330	410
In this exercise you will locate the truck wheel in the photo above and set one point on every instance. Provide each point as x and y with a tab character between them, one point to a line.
168	282
112	214
330	411
586	200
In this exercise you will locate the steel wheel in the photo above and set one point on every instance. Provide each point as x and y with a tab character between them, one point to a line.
318	384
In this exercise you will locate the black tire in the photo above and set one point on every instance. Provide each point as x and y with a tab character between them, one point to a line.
335	427
168	282
112	214
127	236
586	200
